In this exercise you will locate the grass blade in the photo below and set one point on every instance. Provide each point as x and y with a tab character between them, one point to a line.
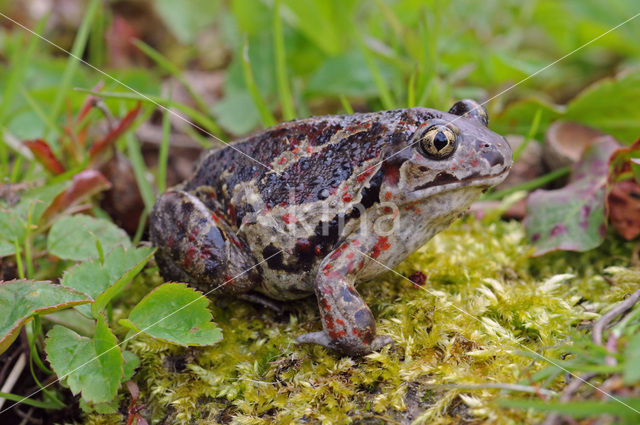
288	112
200	119
265	114
73	61
175	72
163	155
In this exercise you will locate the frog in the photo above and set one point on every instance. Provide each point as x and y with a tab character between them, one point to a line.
316	206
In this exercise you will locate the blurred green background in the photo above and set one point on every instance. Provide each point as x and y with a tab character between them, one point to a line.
319	56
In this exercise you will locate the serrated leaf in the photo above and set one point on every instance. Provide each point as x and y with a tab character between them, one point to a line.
91	366
21	299
572	218
175	313
74	237
93	278
138	257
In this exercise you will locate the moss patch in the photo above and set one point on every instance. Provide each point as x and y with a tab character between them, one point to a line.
484	312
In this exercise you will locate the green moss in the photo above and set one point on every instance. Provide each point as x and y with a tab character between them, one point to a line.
486	307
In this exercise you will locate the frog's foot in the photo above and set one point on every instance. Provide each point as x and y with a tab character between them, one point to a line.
196	245
323	339
349	326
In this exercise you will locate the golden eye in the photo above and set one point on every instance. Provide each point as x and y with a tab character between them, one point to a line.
438	142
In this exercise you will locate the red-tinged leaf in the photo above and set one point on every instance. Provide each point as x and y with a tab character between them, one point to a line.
88	104
625	161
21	299
99	146
84	185
623	202
573	218
43	153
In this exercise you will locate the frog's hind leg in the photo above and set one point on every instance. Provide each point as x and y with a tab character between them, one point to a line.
349	325
196	245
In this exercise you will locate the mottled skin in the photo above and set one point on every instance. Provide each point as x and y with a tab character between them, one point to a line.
344	195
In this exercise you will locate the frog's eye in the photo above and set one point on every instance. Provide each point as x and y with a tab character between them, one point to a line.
438	141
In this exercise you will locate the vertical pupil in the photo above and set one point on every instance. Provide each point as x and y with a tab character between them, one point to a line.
440	140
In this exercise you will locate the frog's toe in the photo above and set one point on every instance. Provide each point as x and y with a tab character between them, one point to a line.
319	338
380	341
353	348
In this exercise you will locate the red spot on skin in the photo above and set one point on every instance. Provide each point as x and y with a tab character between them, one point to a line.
327	267
387	210
340	322
282	160
382	245
558	229
329	321
232	212
191	252
309	149
236	242
387	196
418	279
327	290
303	245
326	305
296	150
355	242
350	267
366	173
289	218
346	197
350	255
391	175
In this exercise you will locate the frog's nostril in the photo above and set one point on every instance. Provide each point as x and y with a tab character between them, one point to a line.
493	157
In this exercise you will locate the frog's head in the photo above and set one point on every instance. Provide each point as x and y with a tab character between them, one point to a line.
452	157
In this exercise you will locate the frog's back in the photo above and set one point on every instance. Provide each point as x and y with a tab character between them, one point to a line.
310	157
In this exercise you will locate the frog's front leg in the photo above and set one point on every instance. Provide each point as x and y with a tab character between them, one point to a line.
196	245
349	325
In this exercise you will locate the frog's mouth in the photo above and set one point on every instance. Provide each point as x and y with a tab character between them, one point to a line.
445	182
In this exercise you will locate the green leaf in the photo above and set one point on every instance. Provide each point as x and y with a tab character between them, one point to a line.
236	112
74	237
631	371
611	106
131	363
175	313
518	117
138	257
355	79
187	19
91	366
104	281
572	218
21	299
